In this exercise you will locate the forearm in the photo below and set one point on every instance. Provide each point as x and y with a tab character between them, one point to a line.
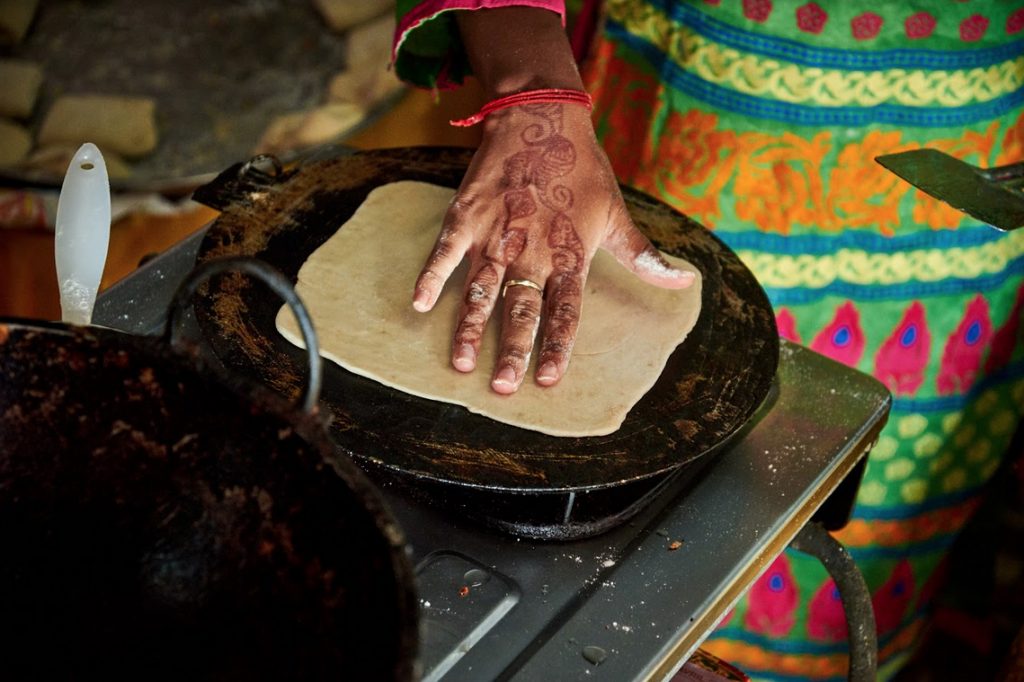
513	49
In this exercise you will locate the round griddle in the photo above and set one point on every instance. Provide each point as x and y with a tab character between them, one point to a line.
711	386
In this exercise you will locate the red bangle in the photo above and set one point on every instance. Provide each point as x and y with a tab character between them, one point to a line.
529	97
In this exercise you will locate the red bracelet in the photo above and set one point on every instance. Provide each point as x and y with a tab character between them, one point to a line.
529	97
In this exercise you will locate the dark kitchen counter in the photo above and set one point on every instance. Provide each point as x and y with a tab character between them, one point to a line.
623	605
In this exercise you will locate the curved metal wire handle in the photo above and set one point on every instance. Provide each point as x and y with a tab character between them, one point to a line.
813	539
280	286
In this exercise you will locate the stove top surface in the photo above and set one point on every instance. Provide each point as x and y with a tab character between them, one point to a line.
631	603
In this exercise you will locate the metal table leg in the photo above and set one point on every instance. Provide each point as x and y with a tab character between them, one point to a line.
813	539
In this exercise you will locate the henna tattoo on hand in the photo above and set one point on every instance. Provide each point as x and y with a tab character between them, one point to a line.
563	314
532	179
548	156
478	303
567	249
508	242
557	158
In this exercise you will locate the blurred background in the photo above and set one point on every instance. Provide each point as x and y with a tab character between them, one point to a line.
173	93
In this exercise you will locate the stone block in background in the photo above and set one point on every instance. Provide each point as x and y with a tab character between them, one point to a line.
15	18
21	80
340	15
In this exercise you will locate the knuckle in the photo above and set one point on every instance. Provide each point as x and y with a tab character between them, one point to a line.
443	250
430	277
476	317
618	215
556	346
515	353
524	311
469	329
477	293
475	313
564	312
566	286
487	277
461	204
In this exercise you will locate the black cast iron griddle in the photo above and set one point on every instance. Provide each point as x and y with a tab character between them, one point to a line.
711	386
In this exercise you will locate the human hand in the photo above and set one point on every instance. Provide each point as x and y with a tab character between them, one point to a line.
537	201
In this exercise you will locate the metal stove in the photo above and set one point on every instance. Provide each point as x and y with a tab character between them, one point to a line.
635	602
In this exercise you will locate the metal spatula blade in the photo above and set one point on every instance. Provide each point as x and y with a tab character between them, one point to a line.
992	195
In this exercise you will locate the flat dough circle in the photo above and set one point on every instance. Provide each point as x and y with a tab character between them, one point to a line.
358	288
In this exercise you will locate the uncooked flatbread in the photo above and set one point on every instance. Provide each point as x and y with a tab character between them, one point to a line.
358	288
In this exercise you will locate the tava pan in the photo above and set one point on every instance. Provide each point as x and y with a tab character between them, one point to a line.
710	388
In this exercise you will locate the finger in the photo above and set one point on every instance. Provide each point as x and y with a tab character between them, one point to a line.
520	320
452	243
477	304
631	248
561	321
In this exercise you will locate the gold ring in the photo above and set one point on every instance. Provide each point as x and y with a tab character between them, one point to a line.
521	283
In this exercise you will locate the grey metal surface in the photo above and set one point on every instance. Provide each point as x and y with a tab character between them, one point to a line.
624	605
992	195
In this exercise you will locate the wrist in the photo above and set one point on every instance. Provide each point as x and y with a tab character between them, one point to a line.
572	120
558	96
536	55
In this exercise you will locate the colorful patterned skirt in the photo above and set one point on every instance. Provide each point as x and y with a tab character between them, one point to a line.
770	142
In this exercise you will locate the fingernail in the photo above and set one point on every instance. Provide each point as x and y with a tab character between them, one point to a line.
463	359
421	301
506	376
547	373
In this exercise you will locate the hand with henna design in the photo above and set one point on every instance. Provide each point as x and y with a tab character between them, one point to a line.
537	201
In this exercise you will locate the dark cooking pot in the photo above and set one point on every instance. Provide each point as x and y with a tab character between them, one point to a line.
161	520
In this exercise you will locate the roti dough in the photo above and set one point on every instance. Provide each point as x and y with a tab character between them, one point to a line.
358	288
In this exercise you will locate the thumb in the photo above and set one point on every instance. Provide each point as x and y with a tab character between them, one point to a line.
635	251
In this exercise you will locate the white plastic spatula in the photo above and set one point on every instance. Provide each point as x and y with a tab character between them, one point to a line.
82	234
